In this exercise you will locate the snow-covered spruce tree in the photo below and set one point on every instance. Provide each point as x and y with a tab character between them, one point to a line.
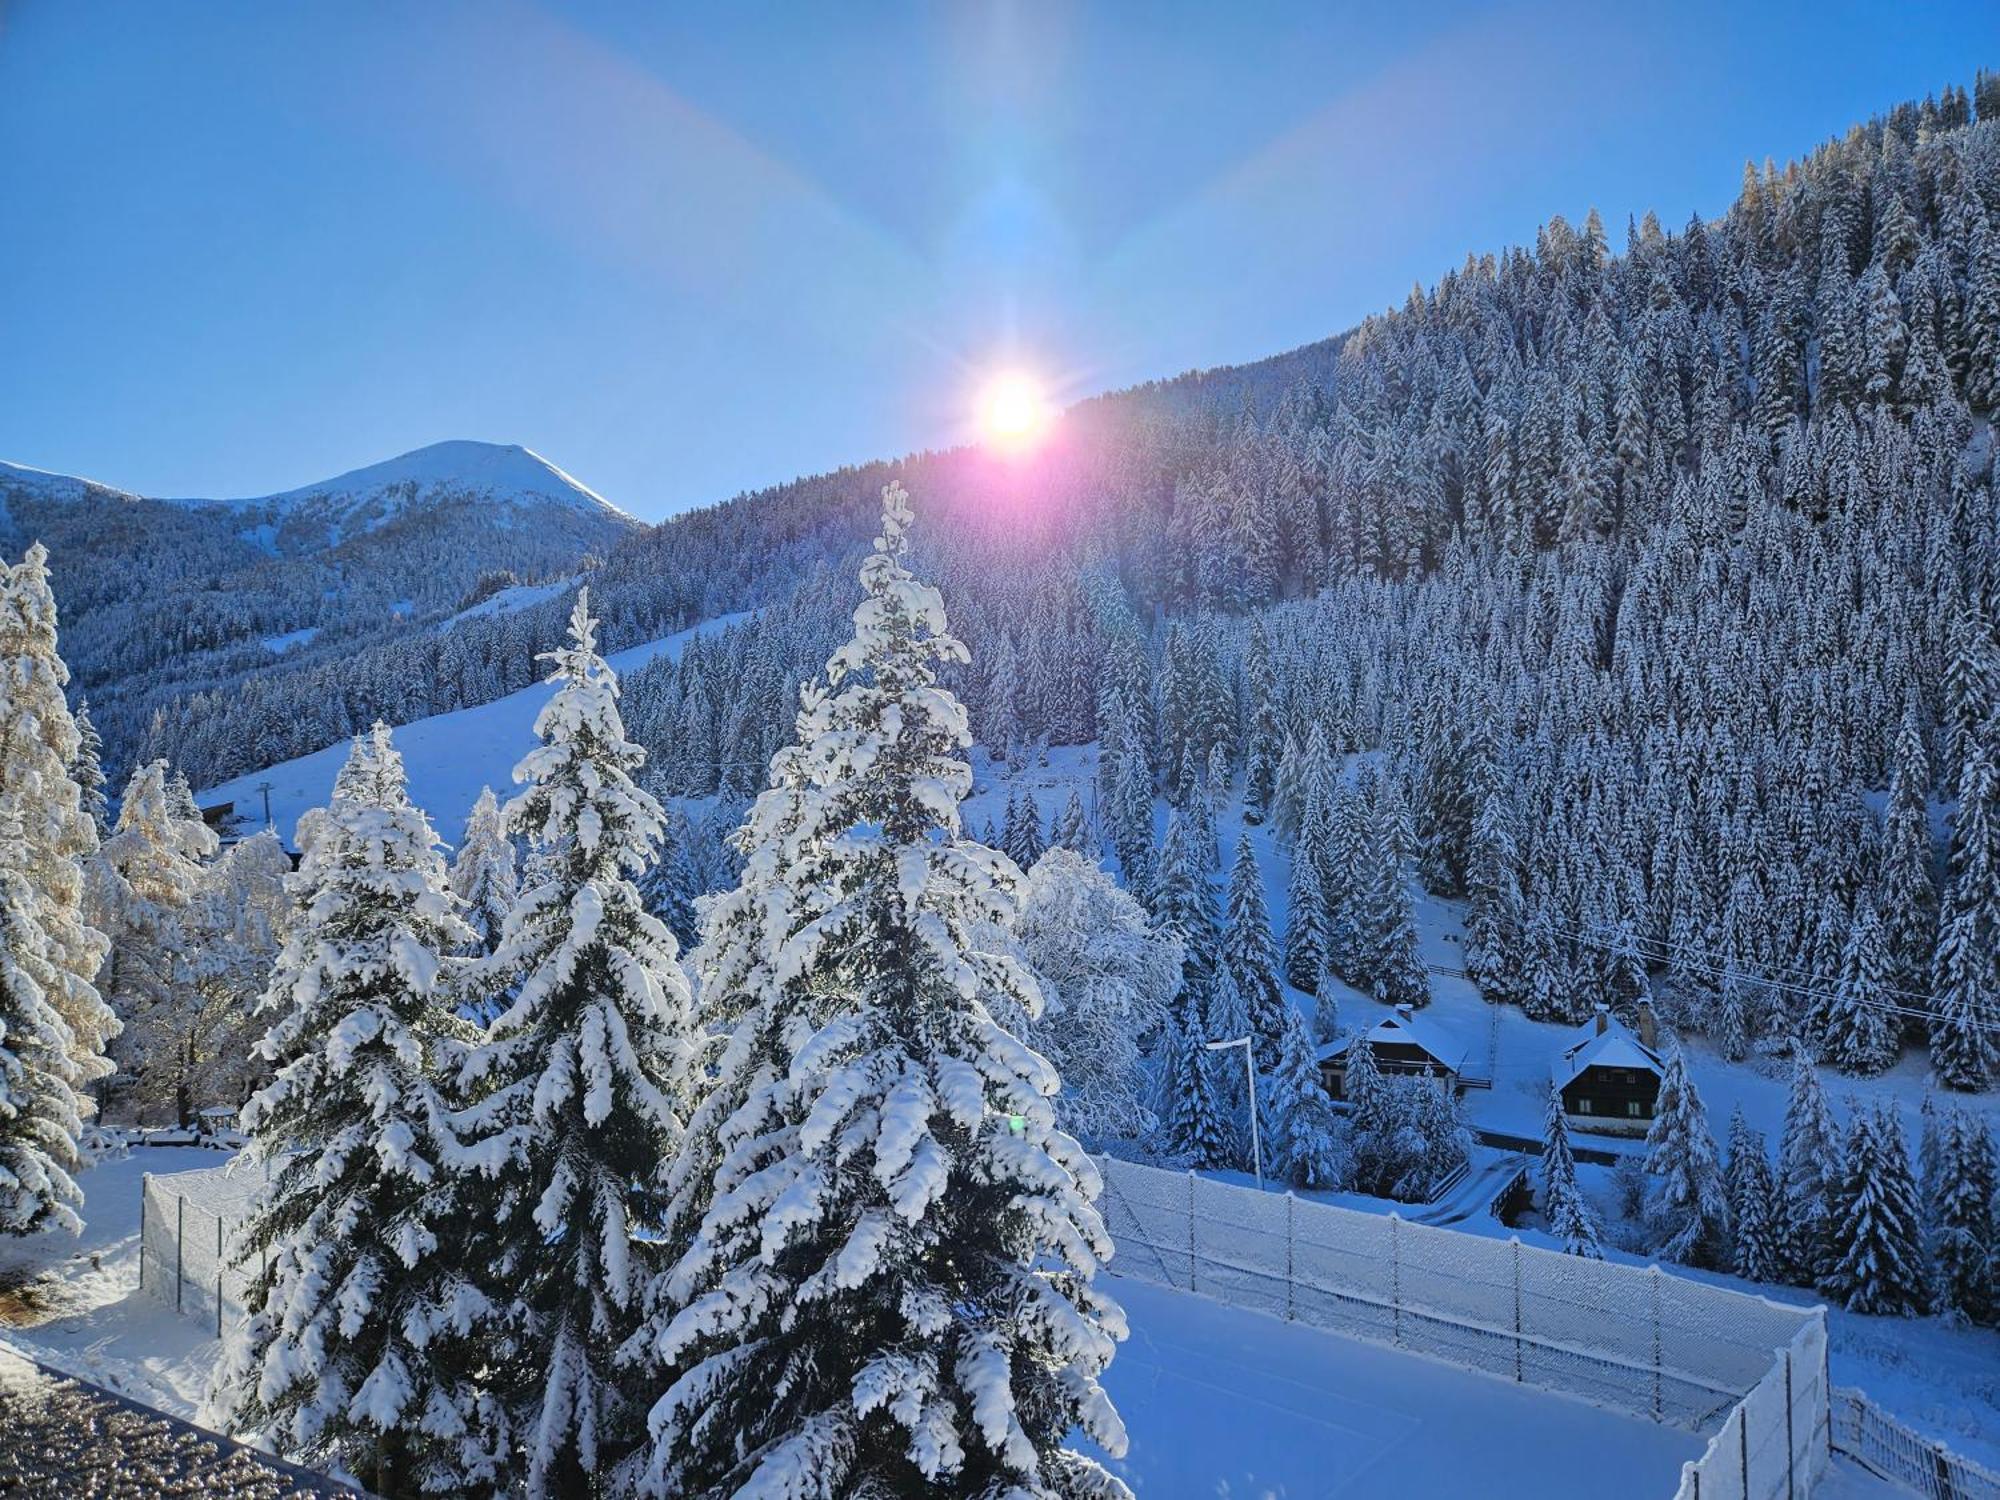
86	769
1386	918
1193	1128
1072	827
1878	1263
1965	981
1689	1207
1964	1237
890	1288
1808	1174
354	1351
1106	977
1907	894
484	876
1308	939
1326	1005
1855	1031
42	748
144	888
1184	903
1308	1138
1569	1217
41	1116
1754	1204
1249	955
582	1080
1023	836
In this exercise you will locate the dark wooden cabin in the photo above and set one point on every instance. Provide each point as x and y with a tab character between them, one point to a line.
1608	1077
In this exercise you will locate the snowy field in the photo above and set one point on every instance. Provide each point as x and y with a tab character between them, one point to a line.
449	756
1222	1402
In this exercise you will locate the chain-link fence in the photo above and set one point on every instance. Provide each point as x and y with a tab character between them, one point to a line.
1864	1431
1637	1340
186	1223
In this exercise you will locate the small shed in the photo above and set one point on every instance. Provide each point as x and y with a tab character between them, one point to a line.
1402	1043
1608	1077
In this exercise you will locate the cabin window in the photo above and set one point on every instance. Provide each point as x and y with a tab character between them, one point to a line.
1634	1108
1583	1106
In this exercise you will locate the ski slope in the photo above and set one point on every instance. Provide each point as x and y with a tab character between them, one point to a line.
449	757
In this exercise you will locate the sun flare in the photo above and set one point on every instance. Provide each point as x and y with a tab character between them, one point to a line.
1014	412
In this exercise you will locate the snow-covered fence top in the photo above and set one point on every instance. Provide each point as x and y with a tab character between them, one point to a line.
1638	1340
186	1220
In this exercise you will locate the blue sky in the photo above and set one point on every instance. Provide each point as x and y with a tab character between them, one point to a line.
245	246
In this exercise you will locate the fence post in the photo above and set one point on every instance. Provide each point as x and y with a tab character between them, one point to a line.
1743	1445
1516	1240
180	1258
1291	1296
1656	1341
1396	1273
1791	1447
145	1186
1190	1231
218	1275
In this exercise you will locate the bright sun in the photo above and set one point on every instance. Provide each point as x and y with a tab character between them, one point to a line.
1013	412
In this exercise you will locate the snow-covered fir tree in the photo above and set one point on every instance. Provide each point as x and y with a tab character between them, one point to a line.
1877	1262
484	873
1072	827
582	1081
1688	1211
890	1286
1808	1176
354	1351
86	769
1308	1139
1754	1204
43	750
1963	1236
1856	1033
1022	838
41	1112
1194	1130
1326	1005
1250	957
1563	1205
1965	983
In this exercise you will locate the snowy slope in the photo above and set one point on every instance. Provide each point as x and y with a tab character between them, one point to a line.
449	756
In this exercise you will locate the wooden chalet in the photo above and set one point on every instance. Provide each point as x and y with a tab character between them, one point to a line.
1403	1043
1609	1078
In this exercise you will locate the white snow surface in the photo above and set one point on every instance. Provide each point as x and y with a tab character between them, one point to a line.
103	1328
448	757
510	600
278	645
506	471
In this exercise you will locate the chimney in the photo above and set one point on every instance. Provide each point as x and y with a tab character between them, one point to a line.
1603	1019
1649	1028
1406	1013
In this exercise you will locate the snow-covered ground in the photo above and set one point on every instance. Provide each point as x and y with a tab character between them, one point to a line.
449	756
509	600
99	1325
1222	1402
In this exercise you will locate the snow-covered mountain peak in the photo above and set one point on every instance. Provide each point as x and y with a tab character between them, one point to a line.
502	471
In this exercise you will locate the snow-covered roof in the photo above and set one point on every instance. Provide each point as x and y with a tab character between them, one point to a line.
1408	1031
1612	1047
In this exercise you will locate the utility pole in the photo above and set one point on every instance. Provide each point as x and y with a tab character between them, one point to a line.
265	788
1249	1072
